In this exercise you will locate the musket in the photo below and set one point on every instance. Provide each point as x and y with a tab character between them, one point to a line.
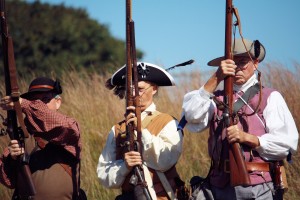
24	184
134	143
238	171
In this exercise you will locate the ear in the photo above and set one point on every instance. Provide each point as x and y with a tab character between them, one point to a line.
57	103
154	90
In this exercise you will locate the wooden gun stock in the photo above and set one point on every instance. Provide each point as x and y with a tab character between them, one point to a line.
141	191
24	183
238	171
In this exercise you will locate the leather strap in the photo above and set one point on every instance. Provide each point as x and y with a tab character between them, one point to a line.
166	185
251	92
256	166
149	118
15	94
250	166
42	144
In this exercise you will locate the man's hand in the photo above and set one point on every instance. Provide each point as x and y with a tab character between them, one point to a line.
130	116
235	134
6	103
15	149
226	68
132	158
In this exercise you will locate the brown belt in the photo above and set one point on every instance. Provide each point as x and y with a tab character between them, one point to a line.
250	166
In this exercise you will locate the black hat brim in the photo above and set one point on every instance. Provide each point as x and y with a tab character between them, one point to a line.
26	95
146	72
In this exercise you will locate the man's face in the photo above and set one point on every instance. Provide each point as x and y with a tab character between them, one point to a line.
245	69
146	93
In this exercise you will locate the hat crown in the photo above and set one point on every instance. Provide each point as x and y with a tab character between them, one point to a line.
146	72
240	48
43	84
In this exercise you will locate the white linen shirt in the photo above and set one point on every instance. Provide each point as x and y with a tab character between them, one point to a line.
160	152
281	137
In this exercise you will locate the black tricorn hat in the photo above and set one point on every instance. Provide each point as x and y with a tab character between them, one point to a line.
146	72
43	84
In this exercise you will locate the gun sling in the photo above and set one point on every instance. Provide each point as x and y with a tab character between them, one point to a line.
251	92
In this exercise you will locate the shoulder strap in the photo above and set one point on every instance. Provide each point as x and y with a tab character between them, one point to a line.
166	185
149	118
251	92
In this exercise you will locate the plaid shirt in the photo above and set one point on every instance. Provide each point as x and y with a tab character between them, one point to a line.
49	125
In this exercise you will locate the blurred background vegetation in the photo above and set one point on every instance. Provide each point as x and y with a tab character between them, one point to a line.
50	38
83	55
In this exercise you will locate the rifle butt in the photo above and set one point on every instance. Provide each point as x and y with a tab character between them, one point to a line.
238	171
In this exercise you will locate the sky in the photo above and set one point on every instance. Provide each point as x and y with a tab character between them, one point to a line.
173	31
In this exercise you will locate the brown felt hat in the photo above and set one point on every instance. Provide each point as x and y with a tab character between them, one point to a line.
255	48
43	84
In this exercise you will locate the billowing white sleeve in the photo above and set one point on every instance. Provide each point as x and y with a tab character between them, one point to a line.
161	152
282	135
198	108
111	172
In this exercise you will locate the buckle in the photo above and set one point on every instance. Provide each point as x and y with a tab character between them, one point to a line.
226	166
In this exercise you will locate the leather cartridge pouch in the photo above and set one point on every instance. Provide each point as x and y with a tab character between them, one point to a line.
279	176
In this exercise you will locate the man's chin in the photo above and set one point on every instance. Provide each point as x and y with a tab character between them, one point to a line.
239	81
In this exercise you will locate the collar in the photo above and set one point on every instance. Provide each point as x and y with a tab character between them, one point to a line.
148	110
252	81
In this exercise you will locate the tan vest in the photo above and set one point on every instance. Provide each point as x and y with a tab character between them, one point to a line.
154	123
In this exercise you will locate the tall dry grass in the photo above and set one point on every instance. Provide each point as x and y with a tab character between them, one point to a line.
97	109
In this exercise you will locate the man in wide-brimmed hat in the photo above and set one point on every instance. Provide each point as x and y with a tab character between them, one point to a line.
265	128
53	146
162	143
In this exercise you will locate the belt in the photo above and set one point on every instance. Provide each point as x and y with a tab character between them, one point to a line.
250	166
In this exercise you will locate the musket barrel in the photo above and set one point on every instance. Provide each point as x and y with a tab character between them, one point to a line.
238	171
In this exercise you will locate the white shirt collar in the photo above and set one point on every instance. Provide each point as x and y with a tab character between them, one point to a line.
252	81
148	110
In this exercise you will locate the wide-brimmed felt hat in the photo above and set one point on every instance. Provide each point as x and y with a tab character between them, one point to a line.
255	48
43	84
146	72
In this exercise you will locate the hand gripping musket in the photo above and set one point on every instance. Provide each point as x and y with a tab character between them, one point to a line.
238	171
24	184
134	143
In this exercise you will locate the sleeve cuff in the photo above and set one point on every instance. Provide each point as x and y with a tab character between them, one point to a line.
206	95
262	144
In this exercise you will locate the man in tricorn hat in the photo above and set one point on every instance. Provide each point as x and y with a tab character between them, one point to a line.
263	124
54	144
162	143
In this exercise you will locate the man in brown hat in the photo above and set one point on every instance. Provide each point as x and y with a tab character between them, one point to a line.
265	128
54	144
162	143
